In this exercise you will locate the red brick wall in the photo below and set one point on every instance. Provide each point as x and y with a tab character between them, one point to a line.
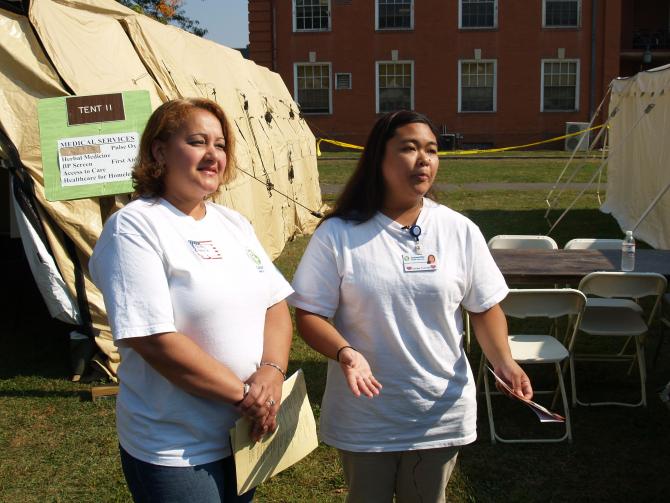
261	32
436	45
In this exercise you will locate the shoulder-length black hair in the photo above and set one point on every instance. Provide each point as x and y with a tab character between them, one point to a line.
364	192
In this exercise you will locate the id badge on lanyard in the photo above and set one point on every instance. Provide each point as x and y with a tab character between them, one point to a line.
418	261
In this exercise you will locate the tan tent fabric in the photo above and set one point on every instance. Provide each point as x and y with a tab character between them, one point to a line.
90	49
99	46
639	151
188	66
25	76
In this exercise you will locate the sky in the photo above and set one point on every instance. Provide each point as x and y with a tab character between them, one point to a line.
226	20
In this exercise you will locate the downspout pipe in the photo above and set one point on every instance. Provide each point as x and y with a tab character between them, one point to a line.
274	35
592	73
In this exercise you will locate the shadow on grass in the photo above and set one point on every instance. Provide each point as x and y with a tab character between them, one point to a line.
616	451
615	456
315	378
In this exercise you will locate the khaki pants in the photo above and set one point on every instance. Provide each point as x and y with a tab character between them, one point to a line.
413	476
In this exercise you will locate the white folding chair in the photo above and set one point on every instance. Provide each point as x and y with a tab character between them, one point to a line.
512	242
521	241
593	244
617	322
601	244
550	304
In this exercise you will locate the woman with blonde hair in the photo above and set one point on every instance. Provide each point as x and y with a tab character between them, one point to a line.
196	308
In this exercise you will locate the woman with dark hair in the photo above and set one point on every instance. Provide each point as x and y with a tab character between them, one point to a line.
397	319
196	308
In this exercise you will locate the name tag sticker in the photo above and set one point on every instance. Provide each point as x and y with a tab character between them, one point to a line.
419	262
206	250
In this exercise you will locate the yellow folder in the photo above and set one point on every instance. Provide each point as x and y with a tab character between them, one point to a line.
294	438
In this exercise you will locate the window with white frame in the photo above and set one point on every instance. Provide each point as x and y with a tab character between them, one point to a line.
478	13
311	15
560	85
395	86
312	87
561	13
394	14
477	86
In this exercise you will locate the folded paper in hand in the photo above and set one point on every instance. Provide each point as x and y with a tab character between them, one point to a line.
543	414
294	438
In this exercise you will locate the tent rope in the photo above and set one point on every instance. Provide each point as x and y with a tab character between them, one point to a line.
270	187
550	204
644	114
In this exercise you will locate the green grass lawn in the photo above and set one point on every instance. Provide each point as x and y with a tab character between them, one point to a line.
328	153
56	445
476	170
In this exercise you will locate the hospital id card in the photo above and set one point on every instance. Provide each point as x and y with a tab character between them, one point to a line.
419	262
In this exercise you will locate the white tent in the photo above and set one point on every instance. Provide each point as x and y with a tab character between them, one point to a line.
83	47
638	169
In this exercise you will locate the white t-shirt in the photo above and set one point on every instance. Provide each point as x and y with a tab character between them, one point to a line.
160	270
407	324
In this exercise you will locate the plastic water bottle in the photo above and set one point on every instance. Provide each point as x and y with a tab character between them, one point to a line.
628	252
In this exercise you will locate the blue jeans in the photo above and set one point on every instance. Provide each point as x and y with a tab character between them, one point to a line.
209	483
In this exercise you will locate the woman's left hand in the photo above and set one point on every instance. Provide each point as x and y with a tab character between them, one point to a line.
266	385
491	332
515	377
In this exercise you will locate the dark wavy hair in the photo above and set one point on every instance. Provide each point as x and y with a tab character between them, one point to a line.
148	173
364	192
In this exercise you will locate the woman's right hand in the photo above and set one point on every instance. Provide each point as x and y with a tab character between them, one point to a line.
358	374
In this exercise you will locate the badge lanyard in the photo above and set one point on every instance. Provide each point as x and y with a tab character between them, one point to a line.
415	232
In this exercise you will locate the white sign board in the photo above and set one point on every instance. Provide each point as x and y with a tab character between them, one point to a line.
97	159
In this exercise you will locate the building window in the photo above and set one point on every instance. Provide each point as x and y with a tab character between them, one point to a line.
395	86
477	86
342	81
311	15
394	14
312	87
478	13
561	13
560	85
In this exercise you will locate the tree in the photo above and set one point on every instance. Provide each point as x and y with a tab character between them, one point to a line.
166	11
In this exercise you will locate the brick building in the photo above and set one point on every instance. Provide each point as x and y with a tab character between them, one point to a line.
497	72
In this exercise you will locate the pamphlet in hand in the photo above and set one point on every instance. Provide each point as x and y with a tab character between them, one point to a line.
545	415
294	438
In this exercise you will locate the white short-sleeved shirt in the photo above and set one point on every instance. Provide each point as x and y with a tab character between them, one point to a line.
162	271
408	325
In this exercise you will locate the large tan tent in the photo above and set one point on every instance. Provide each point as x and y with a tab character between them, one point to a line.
638	172
53	48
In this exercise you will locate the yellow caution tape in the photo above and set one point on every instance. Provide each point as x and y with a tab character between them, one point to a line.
462	152
335	142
